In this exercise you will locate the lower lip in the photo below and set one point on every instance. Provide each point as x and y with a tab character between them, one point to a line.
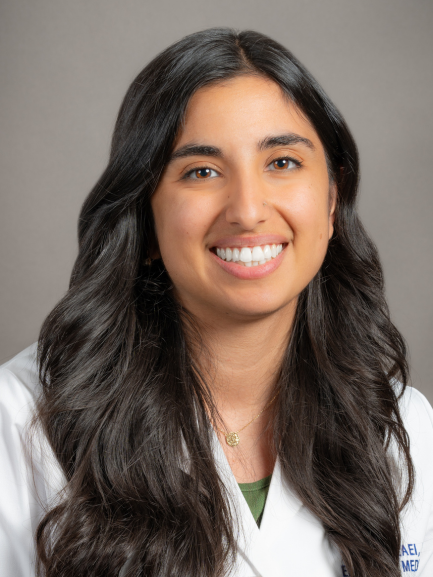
250	272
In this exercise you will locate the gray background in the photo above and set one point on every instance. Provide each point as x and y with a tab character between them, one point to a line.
65	66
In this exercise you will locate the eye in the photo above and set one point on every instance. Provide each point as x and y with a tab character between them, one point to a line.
204	173
284	163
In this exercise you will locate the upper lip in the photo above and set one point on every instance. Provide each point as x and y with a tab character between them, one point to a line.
240	241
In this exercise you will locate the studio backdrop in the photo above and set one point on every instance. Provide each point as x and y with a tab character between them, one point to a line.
65	66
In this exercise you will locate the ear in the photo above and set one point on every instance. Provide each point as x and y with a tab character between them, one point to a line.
332	206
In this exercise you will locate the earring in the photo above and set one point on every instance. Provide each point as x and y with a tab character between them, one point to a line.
148	261
265	204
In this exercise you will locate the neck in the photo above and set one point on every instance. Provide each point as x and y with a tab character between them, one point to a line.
241	360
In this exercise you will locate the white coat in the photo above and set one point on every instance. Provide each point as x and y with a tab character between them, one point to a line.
290	541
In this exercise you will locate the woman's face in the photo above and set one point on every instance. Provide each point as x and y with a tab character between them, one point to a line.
245	209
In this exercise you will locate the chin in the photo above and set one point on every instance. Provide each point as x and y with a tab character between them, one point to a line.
260	308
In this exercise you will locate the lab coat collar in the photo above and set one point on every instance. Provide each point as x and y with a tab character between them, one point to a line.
258	548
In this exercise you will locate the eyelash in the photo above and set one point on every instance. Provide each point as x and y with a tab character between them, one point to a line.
195	169
297	164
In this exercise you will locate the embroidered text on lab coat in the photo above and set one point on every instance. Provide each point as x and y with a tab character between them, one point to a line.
408	558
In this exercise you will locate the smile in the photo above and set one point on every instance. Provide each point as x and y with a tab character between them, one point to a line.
250	256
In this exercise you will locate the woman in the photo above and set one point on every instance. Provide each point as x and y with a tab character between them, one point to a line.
225	338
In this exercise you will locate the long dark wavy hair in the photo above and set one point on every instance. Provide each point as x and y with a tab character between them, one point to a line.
121	403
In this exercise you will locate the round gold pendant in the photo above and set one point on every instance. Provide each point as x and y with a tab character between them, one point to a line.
232	439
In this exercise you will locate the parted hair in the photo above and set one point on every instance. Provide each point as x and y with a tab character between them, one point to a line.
121	400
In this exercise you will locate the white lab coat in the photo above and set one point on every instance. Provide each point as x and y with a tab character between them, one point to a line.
290	541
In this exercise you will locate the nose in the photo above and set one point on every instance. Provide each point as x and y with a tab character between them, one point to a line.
246	203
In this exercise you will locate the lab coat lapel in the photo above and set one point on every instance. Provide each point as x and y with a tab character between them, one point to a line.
282	506
249	561
263	552
260	551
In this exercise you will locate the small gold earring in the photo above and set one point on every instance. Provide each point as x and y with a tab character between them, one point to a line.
265	204
148	261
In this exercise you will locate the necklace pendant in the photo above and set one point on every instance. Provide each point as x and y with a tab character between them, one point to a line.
232	439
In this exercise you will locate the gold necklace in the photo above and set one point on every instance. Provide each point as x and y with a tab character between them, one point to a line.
232	439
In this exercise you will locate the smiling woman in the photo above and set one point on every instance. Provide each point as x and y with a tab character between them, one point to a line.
221	391
248	172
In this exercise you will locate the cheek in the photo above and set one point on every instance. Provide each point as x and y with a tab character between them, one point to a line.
181	223
307	213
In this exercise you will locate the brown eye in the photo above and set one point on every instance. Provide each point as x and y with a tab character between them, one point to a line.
281	163
201	173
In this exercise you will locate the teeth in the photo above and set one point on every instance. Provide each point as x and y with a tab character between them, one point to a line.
250	256
245	255
257	253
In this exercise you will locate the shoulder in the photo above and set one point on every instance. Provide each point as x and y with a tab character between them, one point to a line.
30	478
21	436
19	385
417	415
417	517
19	509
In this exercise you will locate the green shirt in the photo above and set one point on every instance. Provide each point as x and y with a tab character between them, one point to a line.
255	495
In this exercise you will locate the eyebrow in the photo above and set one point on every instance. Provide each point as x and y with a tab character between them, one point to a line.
196	150
268	142
285	140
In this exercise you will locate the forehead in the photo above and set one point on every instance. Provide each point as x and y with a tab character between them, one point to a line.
239	109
